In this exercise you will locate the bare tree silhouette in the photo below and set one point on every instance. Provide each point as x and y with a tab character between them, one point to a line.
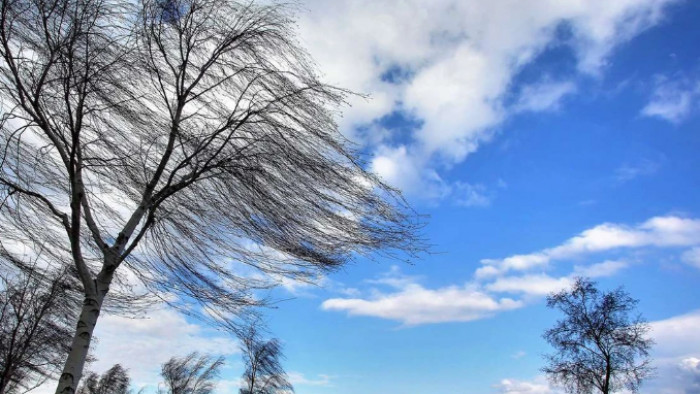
114	381
263	371
36	319
192	374
179	143
599	347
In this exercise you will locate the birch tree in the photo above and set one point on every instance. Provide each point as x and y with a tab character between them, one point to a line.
180	144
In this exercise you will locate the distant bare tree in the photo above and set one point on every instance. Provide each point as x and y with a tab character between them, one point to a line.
114	381
599	347
36	318
192	374
263	371
176	142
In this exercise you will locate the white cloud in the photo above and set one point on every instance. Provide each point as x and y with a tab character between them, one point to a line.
675	355
458	60
469	195
628	172
413	304
545	96
672	100
529	284
142	345
692	257
538	385
599	270
299	379
662	231
677	337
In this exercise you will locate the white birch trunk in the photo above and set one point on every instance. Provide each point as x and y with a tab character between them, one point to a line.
92	305
73	368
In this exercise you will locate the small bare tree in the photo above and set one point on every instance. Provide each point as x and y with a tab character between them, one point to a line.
36	318
263	371
192	374
177	142
114	381
599	347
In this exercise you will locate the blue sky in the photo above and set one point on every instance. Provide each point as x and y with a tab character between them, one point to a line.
544	140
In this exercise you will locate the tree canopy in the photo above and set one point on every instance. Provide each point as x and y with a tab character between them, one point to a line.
600	345
178	145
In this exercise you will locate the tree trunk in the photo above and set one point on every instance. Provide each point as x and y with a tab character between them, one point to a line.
73	368
5	378
606	387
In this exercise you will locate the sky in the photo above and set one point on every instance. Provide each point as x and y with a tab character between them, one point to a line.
544	140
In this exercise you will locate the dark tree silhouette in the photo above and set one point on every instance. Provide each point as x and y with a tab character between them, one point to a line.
178	142
192	374
599	346
36	319
114	381
263	371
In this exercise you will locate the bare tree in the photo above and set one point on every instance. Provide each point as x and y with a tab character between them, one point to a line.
599	347
263	372
114	381
177	142
36	318
192	374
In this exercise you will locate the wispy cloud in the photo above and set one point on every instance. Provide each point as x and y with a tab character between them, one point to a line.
539	385
692	257
515	281
544	96
299	379
628	172
599	270
662	231
673	99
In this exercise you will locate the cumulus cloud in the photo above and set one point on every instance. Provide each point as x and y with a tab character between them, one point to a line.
411	303
142	345
662	231
456	63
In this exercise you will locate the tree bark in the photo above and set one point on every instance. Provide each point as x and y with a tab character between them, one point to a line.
73	368
92	305
606	387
